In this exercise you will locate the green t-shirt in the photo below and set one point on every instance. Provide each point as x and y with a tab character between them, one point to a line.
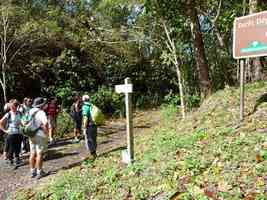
86	109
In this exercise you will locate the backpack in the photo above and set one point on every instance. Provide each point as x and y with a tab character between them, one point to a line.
98	117
29	127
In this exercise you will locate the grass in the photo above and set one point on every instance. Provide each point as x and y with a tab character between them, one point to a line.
206	156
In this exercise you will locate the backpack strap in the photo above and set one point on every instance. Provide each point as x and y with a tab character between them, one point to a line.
8	116
33	118
33	114
7	119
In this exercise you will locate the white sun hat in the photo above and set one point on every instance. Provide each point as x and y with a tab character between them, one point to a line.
85	97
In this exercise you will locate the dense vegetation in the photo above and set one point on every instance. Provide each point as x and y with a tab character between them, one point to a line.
60	47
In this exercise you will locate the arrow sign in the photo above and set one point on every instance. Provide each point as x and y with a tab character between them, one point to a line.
125	88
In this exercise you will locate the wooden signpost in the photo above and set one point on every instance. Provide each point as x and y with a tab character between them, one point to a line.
249	40
127	89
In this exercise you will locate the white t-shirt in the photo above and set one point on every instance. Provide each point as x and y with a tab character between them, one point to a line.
13	122
40	119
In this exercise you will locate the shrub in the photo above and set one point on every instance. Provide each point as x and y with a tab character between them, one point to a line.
64	124
192	101
172	99
108	101
169	113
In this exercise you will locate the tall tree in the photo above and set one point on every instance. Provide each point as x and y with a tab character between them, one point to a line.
199	50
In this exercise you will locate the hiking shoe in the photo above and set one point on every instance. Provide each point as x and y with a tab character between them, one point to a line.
24	151
76	140
33	174
41	174
10	162
93	156
51	142
18	161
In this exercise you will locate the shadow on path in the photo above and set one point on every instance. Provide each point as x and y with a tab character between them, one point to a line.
76	164
54	154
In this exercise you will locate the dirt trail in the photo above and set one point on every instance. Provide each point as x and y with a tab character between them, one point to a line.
65	155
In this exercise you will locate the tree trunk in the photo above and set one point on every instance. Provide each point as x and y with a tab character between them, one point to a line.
181	89
4	52
200	57
256	68
171	46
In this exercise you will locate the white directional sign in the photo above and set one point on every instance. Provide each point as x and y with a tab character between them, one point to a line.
125	88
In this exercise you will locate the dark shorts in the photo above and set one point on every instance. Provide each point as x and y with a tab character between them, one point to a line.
77	119
78	124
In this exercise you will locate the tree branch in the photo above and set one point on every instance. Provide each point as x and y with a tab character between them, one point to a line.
218	12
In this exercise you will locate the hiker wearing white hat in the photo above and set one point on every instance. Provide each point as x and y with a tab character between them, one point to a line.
89	128
85	97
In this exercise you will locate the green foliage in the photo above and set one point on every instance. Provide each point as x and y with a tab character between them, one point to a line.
173	99
149	100
64	124
107	100
64	188
169	112
65	92
192	101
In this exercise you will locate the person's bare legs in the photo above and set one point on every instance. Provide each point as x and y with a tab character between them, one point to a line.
51	129
39	161
50	133
76	135
32	160
33	163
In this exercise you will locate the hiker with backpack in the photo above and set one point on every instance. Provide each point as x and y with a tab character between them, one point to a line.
24	109
89	127
10	123
76	115
38	137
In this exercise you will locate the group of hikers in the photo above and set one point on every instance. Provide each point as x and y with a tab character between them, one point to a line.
42	116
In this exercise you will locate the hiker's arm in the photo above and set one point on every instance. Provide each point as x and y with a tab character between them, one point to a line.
85	121
45	128
3	121
44	124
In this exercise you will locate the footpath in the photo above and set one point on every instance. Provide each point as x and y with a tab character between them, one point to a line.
65	154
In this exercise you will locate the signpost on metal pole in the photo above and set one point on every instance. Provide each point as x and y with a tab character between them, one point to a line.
249	40
242	92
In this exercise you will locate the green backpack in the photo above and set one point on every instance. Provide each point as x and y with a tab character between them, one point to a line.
98	117
29	127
